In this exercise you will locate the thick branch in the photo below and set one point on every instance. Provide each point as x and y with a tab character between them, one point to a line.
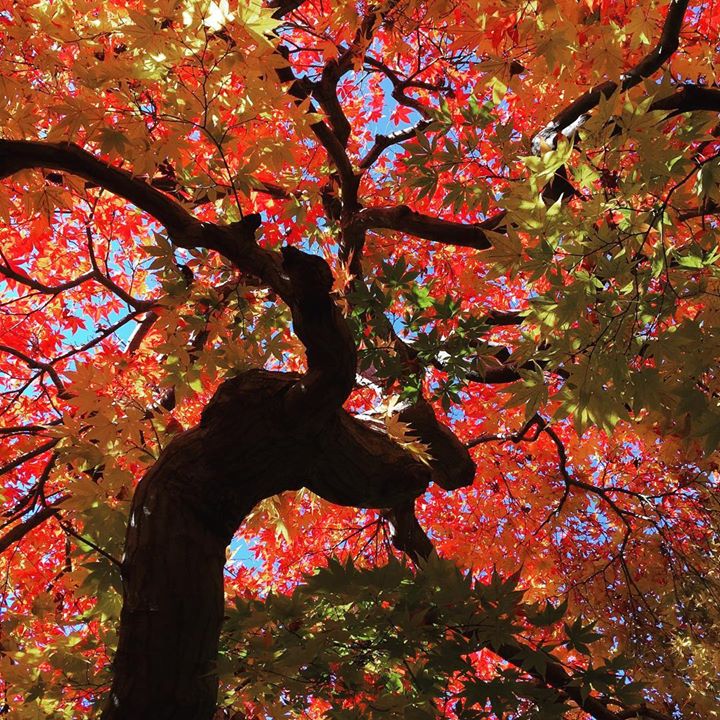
284	7
301	91
319	324
690	98
325	91
186	510
570	118
17	155
505	317
301	280
494	375
405	220
235	241
450	461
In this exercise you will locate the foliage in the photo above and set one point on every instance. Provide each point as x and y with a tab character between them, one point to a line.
545	273
388	642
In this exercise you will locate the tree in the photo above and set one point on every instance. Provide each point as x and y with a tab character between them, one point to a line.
412	306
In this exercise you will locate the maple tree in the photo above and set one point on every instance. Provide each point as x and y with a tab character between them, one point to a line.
359	359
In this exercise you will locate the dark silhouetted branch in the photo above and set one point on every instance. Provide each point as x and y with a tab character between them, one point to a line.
568	120
20	530
405	220
383	142
16	155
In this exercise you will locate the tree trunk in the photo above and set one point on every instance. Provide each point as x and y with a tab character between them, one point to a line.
173	605
183	516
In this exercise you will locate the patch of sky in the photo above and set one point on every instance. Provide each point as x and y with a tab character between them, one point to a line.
241	553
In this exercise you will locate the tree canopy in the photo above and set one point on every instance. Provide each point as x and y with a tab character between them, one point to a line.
359	359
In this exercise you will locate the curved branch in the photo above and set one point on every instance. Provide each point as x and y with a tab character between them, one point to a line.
235	241
43	367
568	120
450	461
17	155
690	98
302	90
202	487
400	86
301	280
31	497
382	142
325	91
319	324
18	276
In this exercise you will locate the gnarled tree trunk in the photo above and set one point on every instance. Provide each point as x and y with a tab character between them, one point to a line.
186	510
262	433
